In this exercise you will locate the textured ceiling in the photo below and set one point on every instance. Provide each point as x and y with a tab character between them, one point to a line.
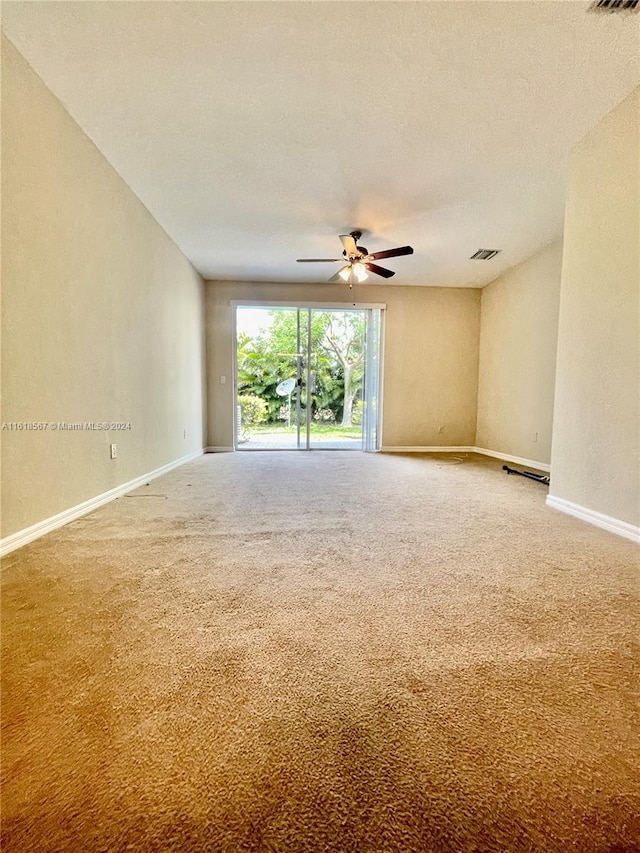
256	132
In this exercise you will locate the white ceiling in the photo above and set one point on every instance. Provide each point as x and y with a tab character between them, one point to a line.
256	132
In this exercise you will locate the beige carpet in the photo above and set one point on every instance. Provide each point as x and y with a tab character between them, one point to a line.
322	652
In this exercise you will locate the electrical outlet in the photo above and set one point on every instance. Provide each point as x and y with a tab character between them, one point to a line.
440	430
534	436
113	450
223	380
185	433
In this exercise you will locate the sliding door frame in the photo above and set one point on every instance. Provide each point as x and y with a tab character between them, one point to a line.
320	306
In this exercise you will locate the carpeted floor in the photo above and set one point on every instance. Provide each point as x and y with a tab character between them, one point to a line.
318	652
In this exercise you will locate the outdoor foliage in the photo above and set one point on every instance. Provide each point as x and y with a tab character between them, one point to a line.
337	346
358	412
253	411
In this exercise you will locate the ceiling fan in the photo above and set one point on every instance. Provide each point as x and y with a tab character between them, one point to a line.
358	260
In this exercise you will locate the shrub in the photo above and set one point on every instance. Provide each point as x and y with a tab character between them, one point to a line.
253	411
358	411
325	416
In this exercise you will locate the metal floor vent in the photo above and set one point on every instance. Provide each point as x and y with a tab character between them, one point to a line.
484	254
614	6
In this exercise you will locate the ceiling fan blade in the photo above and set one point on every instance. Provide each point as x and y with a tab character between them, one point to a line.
392	253
318	260
337	276
379	270
349	244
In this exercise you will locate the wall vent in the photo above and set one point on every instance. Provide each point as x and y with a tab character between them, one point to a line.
484	254
614	6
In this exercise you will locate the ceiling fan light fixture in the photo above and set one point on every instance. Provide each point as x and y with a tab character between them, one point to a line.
354	270
360	271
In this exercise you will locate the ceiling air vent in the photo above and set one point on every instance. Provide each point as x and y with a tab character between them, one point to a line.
614	6
484	254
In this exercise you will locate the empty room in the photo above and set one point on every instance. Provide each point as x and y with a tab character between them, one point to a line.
320	426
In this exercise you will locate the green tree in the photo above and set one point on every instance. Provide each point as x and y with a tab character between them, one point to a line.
258	372
344	337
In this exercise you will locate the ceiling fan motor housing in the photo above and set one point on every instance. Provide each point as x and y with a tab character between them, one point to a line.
362	252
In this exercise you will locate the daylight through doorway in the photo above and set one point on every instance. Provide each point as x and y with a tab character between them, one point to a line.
307	378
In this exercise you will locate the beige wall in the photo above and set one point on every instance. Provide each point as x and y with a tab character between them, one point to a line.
518	340
102	315
595	442
430	358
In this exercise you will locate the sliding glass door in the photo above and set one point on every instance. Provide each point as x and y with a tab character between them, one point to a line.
307	378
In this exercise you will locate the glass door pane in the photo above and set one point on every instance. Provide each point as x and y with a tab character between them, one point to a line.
271	347
336	378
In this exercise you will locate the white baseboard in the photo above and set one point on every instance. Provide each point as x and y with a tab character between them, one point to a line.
519	460
438	449
218	449
35	531
614	525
